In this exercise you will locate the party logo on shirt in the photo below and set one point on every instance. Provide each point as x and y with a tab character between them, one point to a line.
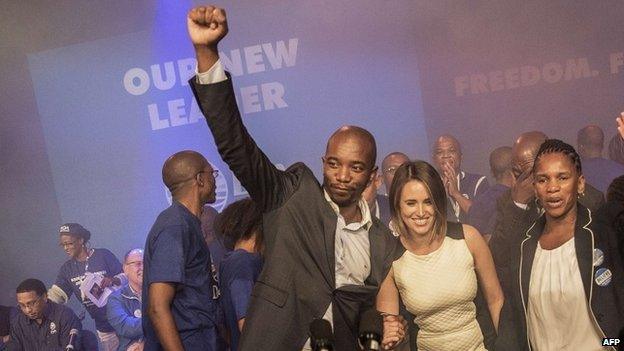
137	313
52	328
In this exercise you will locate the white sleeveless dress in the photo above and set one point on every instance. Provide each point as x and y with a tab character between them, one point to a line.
439	289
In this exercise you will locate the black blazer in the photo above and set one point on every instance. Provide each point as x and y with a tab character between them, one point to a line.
298	281
606	301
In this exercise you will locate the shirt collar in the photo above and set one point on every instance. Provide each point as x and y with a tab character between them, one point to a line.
362	205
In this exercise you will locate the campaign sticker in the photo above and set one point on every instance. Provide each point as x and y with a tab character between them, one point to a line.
598	257
603	276
52	328
137	313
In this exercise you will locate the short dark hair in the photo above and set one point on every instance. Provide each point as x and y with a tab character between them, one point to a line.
31	284
551	146
239	221
426	174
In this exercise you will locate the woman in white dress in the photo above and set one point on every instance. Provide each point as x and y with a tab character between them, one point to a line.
437	275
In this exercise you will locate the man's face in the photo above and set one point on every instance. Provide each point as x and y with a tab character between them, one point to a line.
391	163
447	151
133	267
208	184
31	304
347	169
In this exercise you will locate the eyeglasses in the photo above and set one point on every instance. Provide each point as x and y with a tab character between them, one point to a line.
30	304
215	173
391	169
68	244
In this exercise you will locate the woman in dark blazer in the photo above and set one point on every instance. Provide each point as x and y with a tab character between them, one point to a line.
568	287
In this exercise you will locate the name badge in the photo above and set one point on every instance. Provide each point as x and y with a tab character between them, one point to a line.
603	276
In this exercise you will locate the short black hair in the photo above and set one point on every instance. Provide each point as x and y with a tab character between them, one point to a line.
240	221
551	146
31	284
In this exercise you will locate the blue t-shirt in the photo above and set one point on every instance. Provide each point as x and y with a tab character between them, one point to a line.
175	252
238	273
482	213
72	274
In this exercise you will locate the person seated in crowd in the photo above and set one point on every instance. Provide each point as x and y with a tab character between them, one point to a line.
240	224
598	171
5	325
443	266
461	187
42	324
389	165
517	209
483	207
74	240
124	305
566	285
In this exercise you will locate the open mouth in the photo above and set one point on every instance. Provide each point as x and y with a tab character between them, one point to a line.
421	221
554	203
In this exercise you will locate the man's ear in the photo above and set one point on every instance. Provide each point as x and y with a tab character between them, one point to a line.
373	177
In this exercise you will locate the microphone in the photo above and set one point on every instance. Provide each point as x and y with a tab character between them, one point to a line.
73	334
371	330
321	336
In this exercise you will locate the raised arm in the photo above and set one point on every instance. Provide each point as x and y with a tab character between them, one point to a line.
265	183
486	273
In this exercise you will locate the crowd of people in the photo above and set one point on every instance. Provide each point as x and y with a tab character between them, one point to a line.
449	261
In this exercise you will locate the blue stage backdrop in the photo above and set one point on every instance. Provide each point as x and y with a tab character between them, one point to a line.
112	110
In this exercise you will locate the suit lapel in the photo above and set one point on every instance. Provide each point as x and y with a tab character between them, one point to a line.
527	249
584	244
329	236
377	254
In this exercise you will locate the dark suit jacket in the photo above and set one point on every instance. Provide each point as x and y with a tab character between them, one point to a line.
606	300
298	280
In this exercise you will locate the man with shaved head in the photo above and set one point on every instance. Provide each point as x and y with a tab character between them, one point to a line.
484	205
597	170
325	255
461	187
178	298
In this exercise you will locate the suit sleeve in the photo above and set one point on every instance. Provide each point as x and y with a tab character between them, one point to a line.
266	185
124	324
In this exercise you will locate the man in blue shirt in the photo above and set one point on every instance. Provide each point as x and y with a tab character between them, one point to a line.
179	292
124	306
598	171
42	324
482	213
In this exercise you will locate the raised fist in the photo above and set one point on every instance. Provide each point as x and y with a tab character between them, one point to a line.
207	25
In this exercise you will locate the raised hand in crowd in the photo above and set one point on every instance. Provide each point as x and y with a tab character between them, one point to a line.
522	190
207	25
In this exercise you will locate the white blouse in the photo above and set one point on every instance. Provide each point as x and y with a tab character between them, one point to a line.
558	313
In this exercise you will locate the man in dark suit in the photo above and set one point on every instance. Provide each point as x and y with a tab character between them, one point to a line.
325	254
